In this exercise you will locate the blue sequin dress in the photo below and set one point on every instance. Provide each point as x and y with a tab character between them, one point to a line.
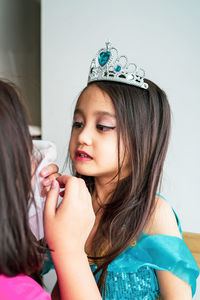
132	274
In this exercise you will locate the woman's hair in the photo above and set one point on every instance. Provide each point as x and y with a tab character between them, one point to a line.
18	248
143	124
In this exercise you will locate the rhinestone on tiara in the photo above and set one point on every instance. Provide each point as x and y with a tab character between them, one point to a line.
108	65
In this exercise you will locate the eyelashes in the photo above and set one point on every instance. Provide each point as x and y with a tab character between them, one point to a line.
77	125
100	127
104	127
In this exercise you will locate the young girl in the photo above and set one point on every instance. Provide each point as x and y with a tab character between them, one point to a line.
21	256
118	145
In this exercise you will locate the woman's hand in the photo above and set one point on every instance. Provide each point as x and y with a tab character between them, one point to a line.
68	226
49	173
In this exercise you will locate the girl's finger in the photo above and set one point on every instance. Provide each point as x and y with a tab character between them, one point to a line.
47	181
64	179
48	170
51	200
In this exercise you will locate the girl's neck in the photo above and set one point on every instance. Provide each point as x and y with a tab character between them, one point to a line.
101	193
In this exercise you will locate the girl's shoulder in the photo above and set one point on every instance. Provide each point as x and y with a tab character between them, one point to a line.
163	220
21	287
159	247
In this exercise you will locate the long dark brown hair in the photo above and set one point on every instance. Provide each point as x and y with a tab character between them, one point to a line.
19	251
143	123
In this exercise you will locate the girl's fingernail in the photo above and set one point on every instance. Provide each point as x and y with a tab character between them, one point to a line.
44	172
46	181
53	184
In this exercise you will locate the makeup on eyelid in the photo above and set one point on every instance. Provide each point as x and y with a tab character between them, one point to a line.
102	125
107	122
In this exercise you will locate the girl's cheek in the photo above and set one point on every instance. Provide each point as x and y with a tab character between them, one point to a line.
71	151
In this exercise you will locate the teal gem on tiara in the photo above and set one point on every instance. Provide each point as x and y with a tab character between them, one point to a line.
117	68
109	65
104	58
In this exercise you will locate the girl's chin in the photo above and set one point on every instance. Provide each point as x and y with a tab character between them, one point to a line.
83	172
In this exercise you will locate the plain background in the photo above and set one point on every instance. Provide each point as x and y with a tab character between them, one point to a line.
161	36
20	50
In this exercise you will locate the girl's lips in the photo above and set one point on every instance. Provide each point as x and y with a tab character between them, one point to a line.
82	156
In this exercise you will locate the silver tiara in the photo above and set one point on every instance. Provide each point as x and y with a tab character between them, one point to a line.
108	65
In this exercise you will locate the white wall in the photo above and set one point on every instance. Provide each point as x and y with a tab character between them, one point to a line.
161	36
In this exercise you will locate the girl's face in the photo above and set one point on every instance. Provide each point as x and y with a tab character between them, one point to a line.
94	143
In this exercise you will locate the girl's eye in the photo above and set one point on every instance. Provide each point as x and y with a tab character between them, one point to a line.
104	127
77	125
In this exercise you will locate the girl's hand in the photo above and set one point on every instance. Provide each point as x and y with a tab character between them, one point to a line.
68	226
66	229
49	173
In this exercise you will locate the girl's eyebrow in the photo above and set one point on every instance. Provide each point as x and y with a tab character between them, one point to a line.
97	112
78	111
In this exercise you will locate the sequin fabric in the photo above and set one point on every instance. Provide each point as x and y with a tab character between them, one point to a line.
140	285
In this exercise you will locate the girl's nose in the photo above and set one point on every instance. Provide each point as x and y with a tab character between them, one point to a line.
85	136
